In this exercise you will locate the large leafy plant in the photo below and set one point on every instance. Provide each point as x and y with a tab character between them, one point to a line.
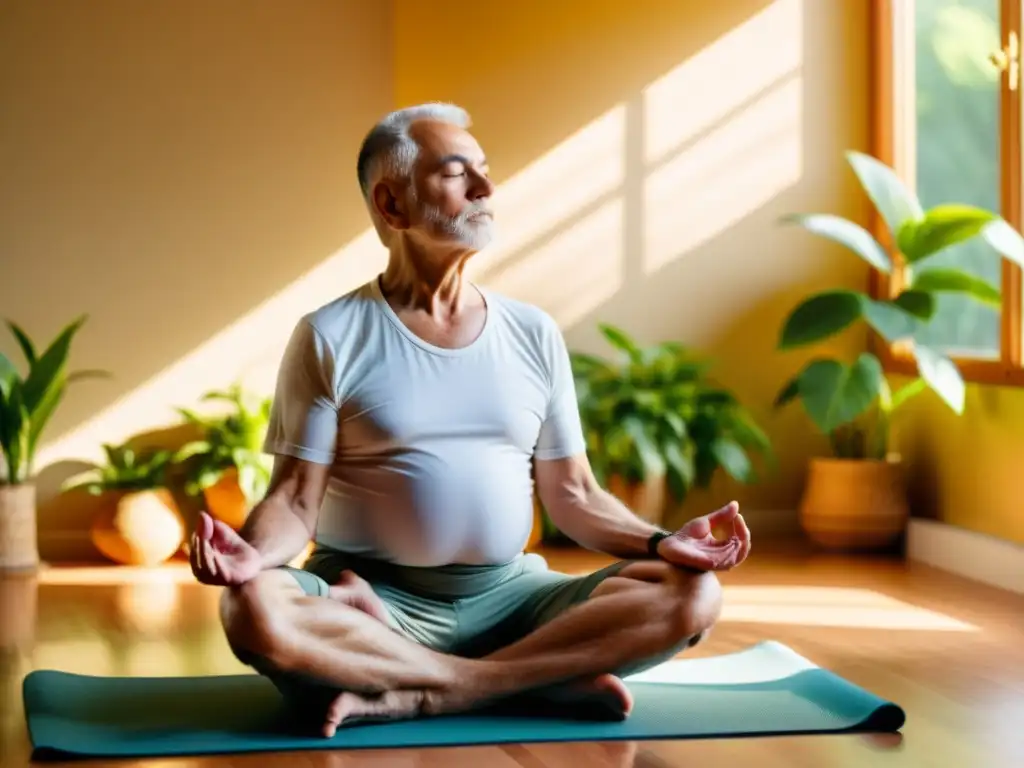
232	440
652	411
852	402
28	402
125	469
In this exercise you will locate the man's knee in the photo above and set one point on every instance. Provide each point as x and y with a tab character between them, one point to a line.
697	603
255	618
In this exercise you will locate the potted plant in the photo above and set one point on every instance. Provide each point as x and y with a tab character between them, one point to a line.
856	498
657	426
26	406
142	525
227	464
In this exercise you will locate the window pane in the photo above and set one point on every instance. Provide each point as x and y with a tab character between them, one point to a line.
958	152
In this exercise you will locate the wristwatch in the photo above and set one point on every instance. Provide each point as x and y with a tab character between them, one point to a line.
654	540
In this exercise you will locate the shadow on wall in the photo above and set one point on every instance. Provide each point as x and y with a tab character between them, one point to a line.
647	200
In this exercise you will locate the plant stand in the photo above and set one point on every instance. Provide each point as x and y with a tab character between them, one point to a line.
19	548
854	504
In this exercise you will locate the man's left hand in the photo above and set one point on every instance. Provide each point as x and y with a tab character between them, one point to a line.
695	546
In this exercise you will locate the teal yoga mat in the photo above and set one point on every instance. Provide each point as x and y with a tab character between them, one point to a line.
764	690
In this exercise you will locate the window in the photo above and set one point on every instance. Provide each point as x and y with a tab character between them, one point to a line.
946	99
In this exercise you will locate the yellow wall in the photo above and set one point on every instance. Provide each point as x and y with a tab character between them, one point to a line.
184	172
176	169
966	470
644	151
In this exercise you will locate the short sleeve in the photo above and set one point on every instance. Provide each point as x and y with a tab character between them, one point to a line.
561	433
304	414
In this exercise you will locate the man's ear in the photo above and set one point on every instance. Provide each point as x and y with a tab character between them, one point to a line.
389	200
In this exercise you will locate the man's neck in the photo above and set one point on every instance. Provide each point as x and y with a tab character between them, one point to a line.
430	283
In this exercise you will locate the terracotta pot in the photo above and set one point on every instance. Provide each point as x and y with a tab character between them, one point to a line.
225	500
140	528
19	548
854	504
646	500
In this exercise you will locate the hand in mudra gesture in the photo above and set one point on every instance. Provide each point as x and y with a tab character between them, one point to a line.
220	556
695	546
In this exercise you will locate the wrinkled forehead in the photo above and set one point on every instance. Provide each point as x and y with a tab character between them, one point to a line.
441	142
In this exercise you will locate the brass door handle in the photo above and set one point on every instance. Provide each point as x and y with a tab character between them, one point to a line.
1007	59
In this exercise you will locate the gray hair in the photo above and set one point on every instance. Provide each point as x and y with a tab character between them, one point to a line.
389	150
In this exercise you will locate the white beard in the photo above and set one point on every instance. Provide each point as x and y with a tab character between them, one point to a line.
475	234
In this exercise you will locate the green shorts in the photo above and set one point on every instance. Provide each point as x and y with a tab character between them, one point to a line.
465	610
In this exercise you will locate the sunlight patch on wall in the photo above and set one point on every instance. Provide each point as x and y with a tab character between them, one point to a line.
724	176
832	607
573	272
712	85
554	188
723	133
248	350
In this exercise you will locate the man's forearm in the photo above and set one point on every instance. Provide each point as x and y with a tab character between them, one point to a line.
276	531
598	521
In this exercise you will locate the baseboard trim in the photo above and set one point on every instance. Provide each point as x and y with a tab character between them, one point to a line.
973	555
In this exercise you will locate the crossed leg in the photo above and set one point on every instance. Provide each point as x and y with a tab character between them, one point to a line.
647	611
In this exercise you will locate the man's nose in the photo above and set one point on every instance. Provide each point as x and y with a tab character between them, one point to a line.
481	188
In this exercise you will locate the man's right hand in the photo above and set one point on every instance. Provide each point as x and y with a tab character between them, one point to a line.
220	557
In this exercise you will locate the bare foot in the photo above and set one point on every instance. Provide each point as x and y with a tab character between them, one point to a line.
357	593
604	697
348	708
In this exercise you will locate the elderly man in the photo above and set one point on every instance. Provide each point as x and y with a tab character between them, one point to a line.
411	419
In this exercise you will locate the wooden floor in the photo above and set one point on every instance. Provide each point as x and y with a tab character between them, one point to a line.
949	651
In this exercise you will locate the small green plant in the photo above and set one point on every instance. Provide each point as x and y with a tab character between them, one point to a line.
27	403
653	411
125	469
229	441
852	402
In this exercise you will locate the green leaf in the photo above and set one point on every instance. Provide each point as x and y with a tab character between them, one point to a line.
941	227
733	458
618	339
942	376
248	481
651	458
846	233
194	448
27	348
894	201
835	393
820	316
907	391
748	433
675	423
82	480
14	431
48	372
1005	240
952	280
788	392
918	303
826	314
45	409
889	320
8	373
680	472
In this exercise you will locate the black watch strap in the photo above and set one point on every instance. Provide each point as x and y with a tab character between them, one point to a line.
652	543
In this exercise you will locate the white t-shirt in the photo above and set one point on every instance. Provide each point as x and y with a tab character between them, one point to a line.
430	448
